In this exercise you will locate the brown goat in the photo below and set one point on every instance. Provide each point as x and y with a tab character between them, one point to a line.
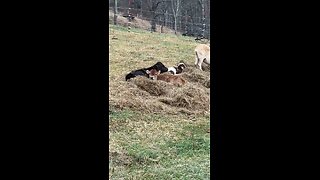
174	79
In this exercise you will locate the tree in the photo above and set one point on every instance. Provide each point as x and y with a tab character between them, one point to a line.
175	4
153	6
203	17
190	16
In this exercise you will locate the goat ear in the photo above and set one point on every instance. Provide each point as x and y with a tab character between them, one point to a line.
147	71
159	72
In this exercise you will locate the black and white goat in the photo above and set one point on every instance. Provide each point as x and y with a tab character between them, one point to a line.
177	69
142	72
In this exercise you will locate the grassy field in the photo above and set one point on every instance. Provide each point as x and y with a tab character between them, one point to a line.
149	144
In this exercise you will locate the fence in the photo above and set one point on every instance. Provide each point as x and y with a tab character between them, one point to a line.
186	25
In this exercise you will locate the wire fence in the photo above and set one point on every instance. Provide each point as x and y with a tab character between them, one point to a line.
185	25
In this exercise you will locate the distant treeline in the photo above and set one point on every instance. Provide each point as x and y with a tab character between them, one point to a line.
188	17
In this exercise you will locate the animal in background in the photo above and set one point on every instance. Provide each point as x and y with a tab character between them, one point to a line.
142	72
202	54
174	79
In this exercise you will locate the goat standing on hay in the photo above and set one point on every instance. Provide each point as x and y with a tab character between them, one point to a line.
174	79
202	55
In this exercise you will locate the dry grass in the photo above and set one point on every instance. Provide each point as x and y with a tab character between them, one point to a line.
156	96
154	126
143	94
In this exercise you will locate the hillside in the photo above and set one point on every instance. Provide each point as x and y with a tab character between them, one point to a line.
156	130
137	23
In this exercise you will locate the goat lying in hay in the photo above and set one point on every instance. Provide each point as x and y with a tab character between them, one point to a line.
202	55
177	69
174	79
142	72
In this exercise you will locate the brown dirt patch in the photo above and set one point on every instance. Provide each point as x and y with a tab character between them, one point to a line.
119	159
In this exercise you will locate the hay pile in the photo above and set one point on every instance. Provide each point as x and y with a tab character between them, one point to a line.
146	95
194	75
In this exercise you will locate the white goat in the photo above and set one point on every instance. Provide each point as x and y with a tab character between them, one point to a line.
202	54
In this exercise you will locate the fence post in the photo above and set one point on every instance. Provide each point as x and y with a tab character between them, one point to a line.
129	20
115	12
203	28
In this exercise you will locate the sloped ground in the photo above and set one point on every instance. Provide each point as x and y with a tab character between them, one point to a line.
137	23
156	130
150	96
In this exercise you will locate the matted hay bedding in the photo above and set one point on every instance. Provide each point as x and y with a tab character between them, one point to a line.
195	75
146	95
